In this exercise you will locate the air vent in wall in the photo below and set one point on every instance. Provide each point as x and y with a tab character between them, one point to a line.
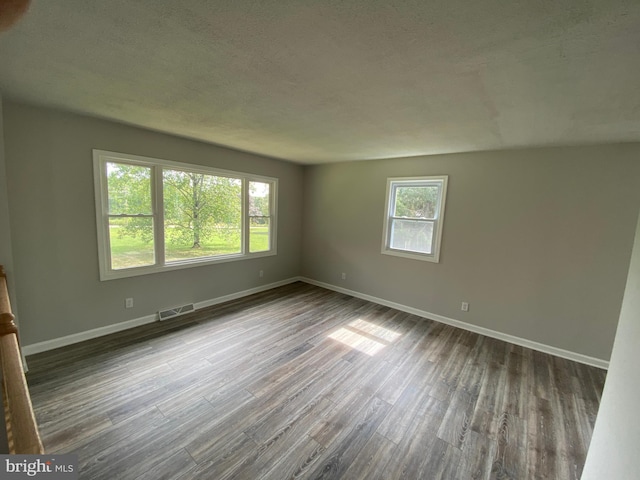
174	312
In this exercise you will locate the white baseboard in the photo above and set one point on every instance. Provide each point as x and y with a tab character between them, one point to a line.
558	352
136	322
245	293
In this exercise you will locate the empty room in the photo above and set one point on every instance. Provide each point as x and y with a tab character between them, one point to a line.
320	240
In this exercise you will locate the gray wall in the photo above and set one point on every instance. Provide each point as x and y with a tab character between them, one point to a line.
5	228
538	241
6	251
51	200
616	438
6	255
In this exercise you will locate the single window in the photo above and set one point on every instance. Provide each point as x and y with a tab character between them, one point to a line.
413	217
155	215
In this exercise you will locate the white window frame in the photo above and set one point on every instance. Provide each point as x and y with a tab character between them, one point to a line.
100	160
438	220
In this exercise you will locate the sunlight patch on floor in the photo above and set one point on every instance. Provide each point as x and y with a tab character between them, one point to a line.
366	337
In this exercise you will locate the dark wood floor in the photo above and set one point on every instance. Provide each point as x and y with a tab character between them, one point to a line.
301	382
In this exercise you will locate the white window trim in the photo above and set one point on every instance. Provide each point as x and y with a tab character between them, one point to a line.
102	157
438	220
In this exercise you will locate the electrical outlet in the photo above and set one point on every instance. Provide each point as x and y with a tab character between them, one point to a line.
344	276
128	303
465	306
261	273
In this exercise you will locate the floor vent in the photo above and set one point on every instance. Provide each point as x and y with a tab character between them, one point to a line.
175	312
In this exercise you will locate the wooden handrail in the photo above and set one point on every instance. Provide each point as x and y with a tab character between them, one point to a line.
22	429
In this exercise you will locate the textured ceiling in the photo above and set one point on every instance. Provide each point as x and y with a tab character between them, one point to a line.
317	81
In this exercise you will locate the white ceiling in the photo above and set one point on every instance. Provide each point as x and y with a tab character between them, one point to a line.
330	80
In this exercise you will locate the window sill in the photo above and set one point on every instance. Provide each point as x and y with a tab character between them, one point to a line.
182	264
412	255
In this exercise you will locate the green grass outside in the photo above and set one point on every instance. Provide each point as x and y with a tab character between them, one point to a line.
130	251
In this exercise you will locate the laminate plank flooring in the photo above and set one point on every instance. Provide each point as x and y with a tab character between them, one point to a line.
303	383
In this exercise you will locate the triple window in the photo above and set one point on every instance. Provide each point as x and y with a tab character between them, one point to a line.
155	215
413	218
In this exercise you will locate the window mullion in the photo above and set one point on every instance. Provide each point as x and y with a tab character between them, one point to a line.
158	212
414	219
246	224
273	192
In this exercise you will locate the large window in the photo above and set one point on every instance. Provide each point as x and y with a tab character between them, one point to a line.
413	217
155	215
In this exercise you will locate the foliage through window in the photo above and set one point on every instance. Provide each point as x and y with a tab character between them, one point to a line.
259	217
413	217
156	215
202	215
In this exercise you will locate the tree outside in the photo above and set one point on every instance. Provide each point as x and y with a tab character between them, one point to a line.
416	202
412	203
201	211
202	215
259	216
